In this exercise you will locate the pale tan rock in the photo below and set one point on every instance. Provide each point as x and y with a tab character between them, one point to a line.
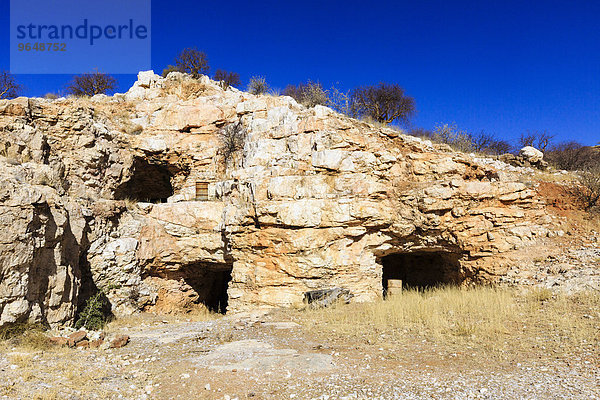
103	194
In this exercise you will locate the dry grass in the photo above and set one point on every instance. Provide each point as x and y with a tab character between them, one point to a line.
500	321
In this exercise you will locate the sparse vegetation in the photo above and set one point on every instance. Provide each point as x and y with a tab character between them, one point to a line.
541	140
496	320
232	139
589	191
94	315
28	336
308	94
9	88
384	103
227	78
91	84
573	156
258	85
191	61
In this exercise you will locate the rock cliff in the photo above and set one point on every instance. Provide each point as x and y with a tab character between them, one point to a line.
134	194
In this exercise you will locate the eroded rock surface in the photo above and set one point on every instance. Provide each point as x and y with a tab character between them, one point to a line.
102	194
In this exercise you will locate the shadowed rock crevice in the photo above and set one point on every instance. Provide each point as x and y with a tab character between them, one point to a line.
195	284
147	183
421	269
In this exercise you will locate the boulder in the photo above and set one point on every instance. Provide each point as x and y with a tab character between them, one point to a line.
531	154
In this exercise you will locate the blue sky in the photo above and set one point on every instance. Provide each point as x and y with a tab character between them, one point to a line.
505	67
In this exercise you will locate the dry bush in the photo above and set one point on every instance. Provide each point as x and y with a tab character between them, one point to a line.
88	85
308	94
541	140
572	156
500	321
589	191
192	61
188	89
232	139
383	103
227	78
28	336
51	96
487	143
455	138
258	85
169	69
9	88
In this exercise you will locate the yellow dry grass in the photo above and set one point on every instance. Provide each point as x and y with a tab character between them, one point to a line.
490	319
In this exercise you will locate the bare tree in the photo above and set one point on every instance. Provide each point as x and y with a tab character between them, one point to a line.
258	85
484	142
308	94
227	78
384	103
538	139
572	156
91	84
232	139
9	88
193	62
589	192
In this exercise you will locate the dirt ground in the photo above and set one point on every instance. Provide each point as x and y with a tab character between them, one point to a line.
274	355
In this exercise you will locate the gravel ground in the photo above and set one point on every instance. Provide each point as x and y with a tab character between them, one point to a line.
268	356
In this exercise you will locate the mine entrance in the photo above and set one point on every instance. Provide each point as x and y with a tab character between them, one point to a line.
420	270
210	282
148	182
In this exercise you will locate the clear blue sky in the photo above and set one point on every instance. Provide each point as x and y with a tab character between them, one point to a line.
500	66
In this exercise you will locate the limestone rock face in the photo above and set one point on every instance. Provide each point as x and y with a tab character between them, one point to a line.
104	194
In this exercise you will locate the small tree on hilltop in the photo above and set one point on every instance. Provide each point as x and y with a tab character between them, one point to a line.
193	62
538	139
91	84
227	78
9	88
383	103
308	94
258	85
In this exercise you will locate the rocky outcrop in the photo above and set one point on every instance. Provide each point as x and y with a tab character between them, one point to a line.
102	194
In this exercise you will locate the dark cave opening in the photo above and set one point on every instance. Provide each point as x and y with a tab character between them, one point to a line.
150	183
210	282
420	270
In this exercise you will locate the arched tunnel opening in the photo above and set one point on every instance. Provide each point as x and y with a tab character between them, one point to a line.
150	183
420	270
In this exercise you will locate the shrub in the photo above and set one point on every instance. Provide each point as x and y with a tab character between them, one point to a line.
193	62
572	156
232	139
258	85
308	94
589	192
487	143
538	139
341	102
94	315
384	103
51	96
91	84
169	69
9	88
455	138
227	78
